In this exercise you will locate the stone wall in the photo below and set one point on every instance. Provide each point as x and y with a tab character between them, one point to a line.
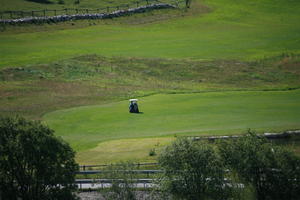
62	18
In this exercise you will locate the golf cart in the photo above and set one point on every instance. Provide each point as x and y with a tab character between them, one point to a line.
133	106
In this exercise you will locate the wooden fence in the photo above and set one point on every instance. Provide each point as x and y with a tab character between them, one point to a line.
95	176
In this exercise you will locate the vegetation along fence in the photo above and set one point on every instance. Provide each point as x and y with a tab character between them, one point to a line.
99	167
140	175
77	11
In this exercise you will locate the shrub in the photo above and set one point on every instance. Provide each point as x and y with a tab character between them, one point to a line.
273	171
152	152
34	164
193	170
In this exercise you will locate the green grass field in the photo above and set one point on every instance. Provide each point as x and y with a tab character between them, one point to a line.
177	114
35	90
220	67
232	30
28	5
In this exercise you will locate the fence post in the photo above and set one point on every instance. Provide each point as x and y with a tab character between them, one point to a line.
118	8
11	14
76	11
147	2
66	10
137	4
44	13
22	14
54	12
87	10
32	13
107	8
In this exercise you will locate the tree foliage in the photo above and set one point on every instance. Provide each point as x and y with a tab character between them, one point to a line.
34	164
193	171
273	171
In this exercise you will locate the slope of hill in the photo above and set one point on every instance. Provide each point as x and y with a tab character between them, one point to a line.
235	62
233	30
28	5
34	90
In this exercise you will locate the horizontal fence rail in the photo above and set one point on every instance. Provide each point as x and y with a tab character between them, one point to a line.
88	167
271	136
107	183
92	184
126	171
104	180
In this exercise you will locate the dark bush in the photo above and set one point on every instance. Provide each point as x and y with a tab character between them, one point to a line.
274	172
193	170
152	152
61	2
34	164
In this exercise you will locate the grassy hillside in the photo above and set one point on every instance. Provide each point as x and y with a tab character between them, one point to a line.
98	131
242	30
34	90
218	68
28	5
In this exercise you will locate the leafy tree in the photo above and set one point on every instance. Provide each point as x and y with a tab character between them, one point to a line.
193	170
273	171
34	164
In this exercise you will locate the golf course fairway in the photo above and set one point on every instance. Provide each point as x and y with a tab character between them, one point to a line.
169	115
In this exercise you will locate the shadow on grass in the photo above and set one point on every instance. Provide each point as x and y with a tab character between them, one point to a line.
41	1
138	113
